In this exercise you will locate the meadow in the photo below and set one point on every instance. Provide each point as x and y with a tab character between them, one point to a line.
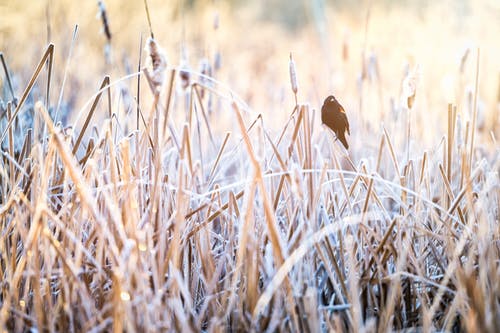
164	166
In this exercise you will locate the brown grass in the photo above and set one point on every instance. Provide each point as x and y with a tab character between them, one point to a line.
209	217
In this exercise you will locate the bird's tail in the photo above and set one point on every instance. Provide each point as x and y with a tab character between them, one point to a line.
342	139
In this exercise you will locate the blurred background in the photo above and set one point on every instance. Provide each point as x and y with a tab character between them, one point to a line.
361	51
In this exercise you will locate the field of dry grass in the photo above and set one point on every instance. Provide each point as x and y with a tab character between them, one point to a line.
184	181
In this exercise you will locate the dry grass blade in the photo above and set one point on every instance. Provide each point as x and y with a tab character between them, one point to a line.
347	193
47	55
169	98
293	259
474	115
277	154
9	82
63	84
295	132
367	199
393	155
452	113
219	155
204	113
77	177
283	131
211	218
379	249
11	147
353	281
380	150
464	190
104	83
270	216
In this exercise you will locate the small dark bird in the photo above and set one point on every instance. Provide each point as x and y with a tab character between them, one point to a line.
333	115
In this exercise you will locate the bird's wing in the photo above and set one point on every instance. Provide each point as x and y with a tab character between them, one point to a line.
326	115
342	139
344	118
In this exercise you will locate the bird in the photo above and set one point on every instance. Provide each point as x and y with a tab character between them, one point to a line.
333	115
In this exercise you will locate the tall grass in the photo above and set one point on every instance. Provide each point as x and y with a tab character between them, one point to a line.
196	213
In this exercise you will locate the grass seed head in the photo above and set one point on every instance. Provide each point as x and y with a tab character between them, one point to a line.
293	75
157	62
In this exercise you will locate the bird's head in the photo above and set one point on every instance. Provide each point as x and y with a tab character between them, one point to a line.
330	99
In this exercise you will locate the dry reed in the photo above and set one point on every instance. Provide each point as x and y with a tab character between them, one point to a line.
228	221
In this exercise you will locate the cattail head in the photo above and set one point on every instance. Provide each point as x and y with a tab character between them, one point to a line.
364	66
345	47
206	71
469	102
157	62
395	109
373	72
104	18
205	67
105	28
293	74
185	71
185	74
463	59
410	88
217	61
406	67
409	91
216	21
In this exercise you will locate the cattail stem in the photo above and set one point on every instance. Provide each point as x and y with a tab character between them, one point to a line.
149	18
